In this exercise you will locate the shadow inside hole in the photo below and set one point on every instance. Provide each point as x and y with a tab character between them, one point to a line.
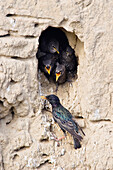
10	15
1	103
36	25
14	57
6	35
12	82
59	62
12	112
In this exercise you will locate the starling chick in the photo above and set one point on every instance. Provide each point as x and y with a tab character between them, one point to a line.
65	120
40	53
47	63
60	73
53	40
49	45
69	59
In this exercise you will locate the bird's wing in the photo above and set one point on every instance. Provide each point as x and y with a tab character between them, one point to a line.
66	124
78	126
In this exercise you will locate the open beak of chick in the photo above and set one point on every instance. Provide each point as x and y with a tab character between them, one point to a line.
58	75
48	68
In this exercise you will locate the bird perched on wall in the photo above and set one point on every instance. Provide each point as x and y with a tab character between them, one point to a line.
47	63
69	59
65	120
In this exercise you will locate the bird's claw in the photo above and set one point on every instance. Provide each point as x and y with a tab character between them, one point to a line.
56	139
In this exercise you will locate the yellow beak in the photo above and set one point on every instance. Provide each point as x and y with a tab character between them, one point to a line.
56	50
43	97
48	69
58	75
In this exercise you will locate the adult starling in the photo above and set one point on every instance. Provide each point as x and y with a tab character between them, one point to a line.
69	59
47	63
60	73
65	120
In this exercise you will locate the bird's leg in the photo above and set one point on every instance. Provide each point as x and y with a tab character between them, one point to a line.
56	139
61	138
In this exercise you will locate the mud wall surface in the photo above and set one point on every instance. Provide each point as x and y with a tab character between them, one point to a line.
25	128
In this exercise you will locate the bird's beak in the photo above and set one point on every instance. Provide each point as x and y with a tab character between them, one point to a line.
43	97
56	50
58	75
48	69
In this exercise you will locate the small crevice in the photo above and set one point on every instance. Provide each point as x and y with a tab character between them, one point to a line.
17	58
44	155
46	161
30	36
8	122
1	103
10	15
79	117
12	81
44	139
6	35
15	156
3	164
27	16
21	148
12	112
14	57
101	120
36	25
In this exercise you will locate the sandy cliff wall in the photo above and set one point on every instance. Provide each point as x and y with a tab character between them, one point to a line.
25	137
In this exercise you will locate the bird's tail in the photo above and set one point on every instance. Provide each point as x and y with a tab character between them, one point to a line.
76	143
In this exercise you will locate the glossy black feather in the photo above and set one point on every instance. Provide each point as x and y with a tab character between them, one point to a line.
65	120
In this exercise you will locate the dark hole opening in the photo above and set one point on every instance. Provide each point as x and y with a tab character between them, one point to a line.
10	15
56	58
1	103
6	35
36	25
29	36
14	57
12	112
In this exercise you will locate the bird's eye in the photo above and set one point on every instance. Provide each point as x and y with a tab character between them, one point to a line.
53	46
